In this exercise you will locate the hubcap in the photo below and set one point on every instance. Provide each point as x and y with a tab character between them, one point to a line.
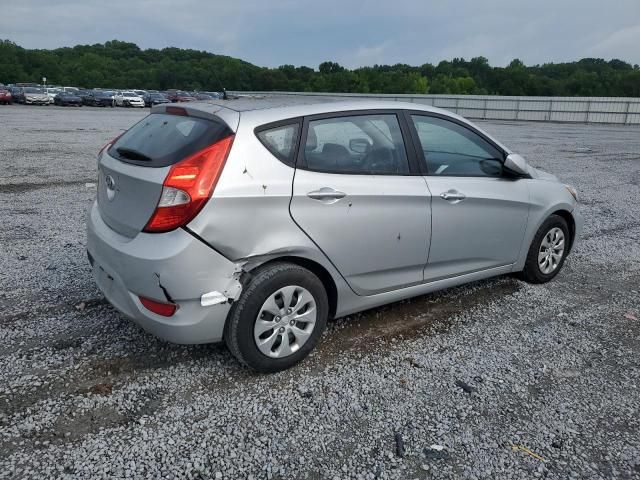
551	250
285	321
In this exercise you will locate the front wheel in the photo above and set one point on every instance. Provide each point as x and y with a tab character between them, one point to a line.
548	251
278	319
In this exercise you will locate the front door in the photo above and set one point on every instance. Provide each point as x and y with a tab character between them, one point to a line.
479	214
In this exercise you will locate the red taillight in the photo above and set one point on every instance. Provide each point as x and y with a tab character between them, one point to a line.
109	143
188	186
164	309
176	111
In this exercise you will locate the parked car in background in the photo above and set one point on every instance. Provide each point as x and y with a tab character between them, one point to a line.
101	98
35	96
186	244
128	99
84	95
52	92
202	96
180	96
16	94
151	99
68	99
5	96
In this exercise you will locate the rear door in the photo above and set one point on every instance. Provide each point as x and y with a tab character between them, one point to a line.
357	194
132	170
479	213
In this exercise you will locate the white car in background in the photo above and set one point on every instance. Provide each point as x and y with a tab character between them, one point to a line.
52	92
128	99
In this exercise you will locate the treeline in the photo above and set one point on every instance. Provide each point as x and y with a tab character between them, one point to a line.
117	64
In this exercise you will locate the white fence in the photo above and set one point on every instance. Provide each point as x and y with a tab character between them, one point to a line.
617	110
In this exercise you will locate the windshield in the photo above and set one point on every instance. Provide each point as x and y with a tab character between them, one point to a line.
33	90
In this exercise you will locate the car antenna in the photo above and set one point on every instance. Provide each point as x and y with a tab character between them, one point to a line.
224	90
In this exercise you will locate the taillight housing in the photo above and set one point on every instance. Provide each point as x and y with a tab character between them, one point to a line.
188	187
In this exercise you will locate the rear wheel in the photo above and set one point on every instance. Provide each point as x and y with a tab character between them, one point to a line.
278	318
548	251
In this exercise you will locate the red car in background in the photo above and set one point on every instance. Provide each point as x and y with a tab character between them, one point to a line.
179	96
5	97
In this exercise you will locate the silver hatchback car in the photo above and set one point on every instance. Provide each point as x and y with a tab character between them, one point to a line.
253	221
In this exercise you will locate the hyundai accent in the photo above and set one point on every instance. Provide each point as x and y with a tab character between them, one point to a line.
254	221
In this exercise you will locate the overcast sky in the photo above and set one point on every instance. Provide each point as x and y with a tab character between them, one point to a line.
353	33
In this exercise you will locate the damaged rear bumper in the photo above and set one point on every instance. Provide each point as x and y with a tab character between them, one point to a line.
171	267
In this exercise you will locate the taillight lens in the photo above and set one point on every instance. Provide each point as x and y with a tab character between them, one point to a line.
188	186
159	308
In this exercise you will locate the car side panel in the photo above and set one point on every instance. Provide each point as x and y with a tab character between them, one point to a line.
482	231
377	236
248	219
546	197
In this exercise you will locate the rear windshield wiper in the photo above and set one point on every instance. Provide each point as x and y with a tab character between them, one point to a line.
133	154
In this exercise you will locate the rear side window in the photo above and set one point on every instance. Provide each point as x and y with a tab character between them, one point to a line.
281	141
160	139
362	144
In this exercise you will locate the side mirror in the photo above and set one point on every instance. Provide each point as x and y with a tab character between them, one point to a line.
359	145
517	164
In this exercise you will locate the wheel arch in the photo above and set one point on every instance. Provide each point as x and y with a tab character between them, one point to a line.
316	268
571	223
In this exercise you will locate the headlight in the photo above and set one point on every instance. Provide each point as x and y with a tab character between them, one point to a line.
572	191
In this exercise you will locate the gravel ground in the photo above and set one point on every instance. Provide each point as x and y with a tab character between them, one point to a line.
497	379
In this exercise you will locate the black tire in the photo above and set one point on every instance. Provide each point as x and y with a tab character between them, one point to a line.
532	272
239	329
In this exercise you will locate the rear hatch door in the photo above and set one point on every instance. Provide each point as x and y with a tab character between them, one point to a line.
132	170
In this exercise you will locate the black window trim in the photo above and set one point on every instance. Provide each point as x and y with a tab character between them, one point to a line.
409	147
291	162
418	146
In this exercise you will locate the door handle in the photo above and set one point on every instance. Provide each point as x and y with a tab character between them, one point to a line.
326	193
452	196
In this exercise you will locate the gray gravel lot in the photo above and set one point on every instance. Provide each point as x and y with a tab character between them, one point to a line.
513	380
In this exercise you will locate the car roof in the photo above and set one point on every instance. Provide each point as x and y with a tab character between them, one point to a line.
288	103
266	109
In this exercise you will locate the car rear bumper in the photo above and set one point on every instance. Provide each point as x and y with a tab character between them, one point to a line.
173	266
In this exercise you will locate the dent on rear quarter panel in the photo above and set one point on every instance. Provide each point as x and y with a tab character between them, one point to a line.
248	215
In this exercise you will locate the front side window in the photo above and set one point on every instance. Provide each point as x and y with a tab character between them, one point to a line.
359	144
453	150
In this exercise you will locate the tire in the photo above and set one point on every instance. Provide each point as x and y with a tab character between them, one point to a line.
536	268
276	283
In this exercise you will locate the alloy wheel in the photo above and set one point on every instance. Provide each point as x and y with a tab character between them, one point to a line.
285	321
551	250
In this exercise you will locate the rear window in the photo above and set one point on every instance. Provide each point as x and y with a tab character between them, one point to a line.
160	139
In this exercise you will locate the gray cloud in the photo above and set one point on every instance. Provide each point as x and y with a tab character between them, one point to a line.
354	33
